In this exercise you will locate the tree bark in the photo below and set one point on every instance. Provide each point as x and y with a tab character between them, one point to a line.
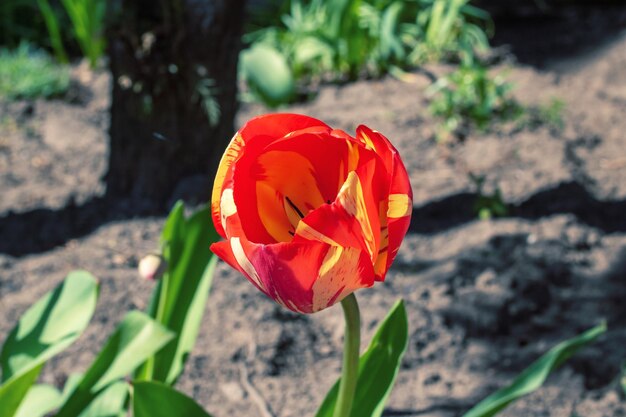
171	60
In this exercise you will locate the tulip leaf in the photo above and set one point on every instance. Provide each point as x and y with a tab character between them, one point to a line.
14	390
180	298
47	328
378	367
40	400
534	376
110	403
154	399
267	73
136	338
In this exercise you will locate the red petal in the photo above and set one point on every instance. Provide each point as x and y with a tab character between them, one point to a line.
269	127
354	219
278	125
307	168
305	277
400	193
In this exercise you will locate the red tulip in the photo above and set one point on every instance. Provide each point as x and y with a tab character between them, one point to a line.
309	213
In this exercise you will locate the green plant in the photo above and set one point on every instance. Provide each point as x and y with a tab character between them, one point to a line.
268	75
344	39
451	28
207	93
469	96
180	295
535	375
552	113
52	24
87	17
46	329
378	367
29	73
486	205
160	340
547	114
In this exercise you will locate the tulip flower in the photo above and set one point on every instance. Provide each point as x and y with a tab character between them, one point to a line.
309	213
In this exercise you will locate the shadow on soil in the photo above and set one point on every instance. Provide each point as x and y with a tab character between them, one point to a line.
539	35
40	230
541	291
569	197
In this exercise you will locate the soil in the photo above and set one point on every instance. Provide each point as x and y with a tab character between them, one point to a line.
484	297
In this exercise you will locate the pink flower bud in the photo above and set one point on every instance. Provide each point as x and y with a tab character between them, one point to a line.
152	267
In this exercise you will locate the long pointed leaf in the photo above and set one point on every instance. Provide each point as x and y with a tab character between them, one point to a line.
154	399
136	338
40	400
47	328
181	296
534	376
110	403
378	367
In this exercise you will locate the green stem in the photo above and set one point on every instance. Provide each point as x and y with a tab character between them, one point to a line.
350	371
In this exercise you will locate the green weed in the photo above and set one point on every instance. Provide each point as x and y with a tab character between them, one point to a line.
486	205
549	114
470	97
52	24
87	17
339	40
28	73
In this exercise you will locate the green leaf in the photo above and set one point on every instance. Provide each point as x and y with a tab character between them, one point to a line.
40	400
180	299
268	75
47	328
390	43
14	390
534	376
136	338
378	367
154	399
110	403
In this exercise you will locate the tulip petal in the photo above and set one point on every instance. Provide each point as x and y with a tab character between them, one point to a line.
278	125
304	277
343	271
400	195
354	219
271	127
280	182
380	144
232	153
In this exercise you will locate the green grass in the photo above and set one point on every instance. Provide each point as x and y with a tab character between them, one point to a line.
470	97
28	73
343	40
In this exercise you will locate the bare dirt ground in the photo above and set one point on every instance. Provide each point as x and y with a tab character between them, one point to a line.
485	298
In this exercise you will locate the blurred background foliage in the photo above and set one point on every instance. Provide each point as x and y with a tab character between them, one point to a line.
340	40
290	48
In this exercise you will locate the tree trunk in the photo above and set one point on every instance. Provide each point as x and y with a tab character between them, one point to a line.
174	65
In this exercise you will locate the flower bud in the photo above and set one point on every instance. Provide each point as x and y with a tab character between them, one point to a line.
152	267
309	213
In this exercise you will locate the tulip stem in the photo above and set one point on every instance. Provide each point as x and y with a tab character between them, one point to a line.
350	371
